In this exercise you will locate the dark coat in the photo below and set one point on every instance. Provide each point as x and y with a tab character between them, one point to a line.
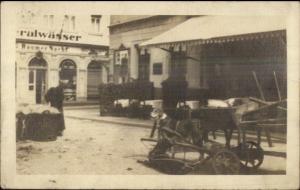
55	96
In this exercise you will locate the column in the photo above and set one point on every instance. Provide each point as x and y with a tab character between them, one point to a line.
133	63
81	90
53	77
104	74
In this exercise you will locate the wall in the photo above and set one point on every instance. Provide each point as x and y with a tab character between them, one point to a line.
35	29
31	18
118	19
159	56
133	33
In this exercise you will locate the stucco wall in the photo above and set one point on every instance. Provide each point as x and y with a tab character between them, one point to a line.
132	34
159	56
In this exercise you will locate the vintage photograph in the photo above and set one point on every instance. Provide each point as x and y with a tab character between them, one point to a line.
150	94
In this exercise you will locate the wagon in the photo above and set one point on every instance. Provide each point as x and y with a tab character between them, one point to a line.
224	158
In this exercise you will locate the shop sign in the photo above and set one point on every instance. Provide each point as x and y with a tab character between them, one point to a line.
48	35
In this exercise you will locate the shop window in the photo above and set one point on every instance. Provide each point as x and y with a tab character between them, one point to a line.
68	74
31	80
157	68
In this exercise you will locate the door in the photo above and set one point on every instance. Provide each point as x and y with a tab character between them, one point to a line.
144	67
40	85
37	84
37	79
94	79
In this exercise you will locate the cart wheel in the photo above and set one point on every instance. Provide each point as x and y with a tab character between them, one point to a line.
226	162
251	155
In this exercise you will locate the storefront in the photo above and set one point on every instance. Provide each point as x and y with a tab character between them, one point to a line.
223	61
41	64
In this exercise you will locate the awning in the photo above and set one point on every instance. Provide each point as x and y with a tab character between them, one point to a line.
219	29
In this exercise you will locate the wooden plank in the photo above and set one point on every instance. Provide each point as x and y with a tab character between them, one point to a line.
266	103
258	86
263	108
277	86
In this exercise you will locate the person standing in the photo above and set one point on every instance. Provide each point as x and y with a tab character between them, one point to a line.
55	96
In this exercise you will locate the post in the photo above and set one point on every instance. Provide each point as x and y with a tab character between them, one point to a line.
154	128
258	86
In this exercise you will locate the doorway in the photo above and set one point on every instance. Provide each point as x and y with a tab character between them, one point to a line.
144	67
37	79
68	74
94	79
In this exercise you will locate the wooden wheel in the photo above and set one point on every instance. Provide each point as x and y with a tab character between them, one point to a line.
251	155
225	162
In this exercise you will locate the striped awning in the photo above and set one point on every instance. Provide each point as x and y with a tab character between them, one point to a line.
219	29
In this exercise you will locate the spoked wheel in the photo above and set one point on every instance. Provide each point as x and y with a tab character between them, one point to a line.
226	162
251	155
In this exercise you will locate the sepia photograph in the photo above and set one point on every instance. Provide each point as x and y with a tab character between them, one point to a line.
181	96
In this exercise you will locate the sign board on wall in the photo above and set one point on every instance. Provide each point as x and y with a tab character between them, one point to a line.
61	36
36	34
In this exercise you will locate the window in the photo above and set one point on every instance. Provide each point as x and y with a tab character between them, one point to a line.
48	21
157	68
95	20
51	21
66	23
73	23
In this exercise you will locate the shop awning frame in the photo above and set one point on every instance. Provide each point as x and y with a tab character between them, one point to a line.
251	28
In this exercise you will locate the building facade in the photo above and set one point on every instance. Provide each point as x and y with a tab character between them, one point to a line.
130	62
228	62
52	47
215	62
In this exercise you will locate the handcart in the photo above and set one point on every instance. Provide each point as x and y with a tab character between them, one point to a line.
224	158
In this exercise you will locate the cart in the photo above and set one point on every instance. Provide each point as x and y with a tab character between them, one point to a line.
44	126
224	158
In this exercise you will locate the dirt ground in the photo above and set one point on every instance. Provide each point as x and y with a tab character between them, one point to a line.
86	148
90	147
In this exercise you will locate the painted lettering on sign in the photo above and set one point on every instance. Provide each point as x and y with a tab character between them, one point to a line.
48	35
